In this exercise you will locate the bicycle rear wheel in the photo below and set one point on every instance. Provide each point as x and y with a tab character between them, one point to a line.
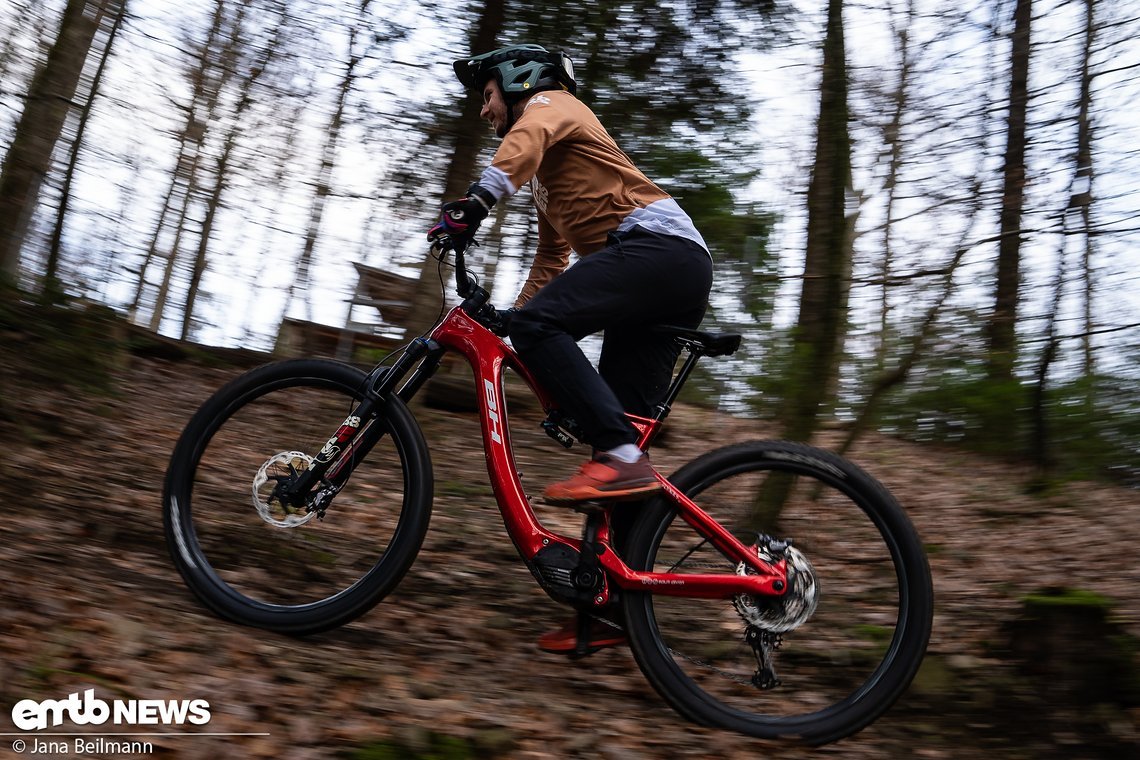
839	670
253	561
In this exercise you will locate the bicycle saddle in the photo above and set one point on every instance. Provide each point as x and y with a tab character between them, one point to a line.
709	344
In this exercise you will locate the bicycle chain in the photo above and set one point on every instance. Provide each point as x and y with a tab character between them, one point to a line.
683	656
744	681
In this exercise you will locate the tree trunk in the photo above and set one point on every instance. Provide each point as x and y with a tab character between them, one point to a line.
218	69
39	128
886	378
254	70
827	265
1079	202
33	23
203	97
52	285
324	177
1003	322
827	272
280	184
469	133
895	145
1082	196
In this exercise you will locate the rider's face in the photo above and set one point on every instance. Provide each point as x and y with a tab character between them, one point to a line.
494	107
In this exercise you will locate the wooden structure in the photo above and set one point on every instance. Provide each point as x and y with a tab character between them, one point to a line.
363	339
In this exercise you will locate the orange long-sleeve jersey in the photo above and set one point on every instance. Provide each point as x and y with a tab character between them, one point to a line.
584	186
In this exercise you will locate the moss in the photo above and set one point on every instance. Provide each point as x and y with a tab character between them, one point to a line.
430	746
876	634
465	489
934	677
1068	597
72	344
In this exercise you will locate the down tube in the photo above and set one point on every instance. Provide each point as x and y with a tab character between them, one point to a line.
487	354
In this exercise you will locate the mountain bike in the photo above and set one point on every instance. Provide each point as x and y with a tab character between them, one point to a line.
769	588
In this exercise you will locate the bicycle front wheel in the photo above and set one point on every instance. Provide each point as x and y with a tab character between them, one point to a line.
257	562
843	644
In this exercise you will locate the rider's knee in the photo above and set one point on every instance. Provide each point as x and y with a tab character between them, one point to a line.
527	330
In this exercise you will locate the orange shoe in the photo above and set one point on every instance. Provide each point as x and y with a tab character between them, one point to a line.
565	639
605	478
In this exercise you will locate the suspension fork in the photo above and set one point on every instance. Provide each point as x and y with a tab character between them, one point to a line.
362	430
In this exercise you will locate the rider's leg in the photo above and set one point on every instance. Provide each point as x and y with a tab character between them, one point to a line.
638	365
641	280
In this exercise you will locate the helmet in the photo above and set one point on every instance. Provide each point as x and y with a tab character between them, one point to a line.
519	69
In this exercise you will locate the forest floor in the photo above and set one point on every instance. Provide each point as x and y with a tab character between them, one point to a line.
447	665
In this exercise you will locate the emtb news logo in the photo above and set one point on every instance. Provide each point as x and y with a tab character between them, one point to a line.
89	710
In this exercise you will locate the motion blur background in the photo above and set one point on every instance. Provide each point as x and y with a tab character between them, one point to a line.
924	217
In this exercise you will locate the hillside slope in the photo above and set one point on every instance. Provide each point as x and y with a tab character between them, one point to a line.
89	599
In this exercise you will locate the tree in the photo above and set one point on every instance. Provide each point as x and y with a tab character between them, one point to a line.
467	134
912	135
1081	196
661	78
1003	322
206	78
52	284
1078	203
827	264
251	70
892	132
46	108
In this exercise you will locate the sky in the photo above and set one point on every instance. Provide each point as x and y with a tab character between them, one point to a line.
248	290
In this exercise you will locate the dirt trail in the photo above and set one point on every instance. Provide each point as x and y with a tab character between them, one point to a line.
89	599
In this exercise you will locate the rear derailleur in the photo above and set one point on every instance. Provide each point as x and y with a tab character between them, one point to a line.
763	644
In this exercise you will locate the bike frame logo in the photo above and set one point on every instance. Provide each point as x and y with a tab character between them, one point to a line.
89	710
493	411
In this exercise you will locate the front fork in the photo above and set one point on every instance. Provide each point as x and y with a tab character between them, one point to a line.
314	489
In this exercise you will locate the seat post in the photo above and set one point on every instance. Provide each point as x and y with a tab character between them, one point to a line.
661	411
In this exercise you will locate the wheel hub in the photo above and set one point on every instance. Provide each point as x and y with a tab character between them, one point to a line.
790	611
269	483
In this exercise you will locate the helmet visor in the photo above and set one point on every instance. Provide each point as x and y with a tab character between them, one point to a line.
473	72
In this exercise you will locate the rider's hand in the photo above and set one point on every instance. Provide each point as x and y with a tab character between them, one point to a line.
460	219
501	322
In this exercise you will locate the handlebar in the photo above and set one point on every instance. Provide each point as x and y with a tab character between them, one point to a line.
476	300
465	283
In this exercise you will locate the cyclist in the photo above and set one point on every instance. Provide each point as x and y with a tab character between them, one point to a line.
641	262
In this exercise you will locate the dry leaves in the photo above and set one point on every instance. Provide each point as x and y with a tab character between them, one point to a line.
89	598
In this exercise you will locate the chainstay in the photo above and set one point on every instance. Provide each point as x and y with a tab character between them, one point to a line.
734	677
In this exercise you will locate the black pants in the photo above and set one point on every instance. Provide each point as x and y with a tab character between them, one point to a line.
639	280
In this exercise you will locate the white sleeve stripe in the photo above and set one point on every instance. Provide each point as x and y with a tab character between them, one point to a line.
496	182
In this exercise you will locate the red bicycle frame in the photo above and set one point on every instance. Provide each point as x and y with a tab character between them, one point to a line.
488	355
